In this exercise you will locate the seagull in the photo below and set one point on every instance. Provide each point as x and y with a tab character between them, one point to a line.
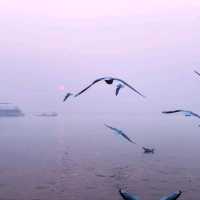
128	196
187	113
67	96
109	81
120	132
172	196
118	88
197	72
148	150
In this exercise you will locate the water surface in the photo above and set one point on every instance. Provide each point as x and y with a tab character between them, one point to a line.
77	157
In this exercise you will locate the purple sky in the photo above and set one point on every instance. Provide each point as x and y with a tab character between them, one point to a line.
153	45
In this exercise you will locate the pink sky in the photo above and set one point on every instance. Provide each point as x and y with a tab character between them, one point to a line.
45	44
92	8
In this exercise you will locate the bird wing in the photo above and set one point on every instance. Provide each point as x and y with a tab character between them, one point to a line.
120	133
128	196
96	81
194	114
126	137
67	96
171	111
186	112
197	72
114	129
117	79
164	198
172	196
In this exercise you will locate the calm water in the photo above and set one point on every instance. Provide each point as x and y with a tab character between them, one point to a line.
75	157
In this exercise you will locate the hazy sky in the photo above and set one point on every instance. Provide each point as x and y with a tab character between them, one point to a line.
154	45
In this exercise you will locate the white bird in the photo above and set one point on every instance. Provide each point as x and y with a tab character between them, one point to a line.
109	81
67	96
120	132
186	113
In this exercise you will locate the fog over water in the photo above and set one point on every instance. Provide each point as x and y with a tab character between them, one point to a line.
49	48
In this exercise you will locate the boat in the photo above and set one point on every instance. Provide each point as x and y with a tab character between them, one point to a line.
10	110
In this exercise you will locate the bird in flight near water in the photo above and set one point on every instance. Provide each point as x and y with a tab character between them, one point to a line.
187	113
120	132
109	81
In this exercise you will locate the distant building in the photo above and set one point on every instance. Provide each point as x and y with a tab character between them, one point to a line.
10	110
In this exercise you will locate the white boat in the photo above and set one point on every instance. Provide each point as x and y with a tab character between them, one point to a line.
10	110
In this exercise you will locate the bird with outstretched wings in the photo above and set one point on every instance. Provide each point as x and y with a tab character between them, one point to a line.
109	80
120	132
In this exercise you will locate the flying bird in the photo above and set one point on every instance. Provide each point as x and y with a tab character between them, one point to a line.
118	88
172	196
120	132
197	72
128	196
148	150
67	96
187	113
109	81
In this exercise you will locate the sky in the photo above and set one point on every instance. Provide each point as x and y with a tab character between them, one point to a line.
45	45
